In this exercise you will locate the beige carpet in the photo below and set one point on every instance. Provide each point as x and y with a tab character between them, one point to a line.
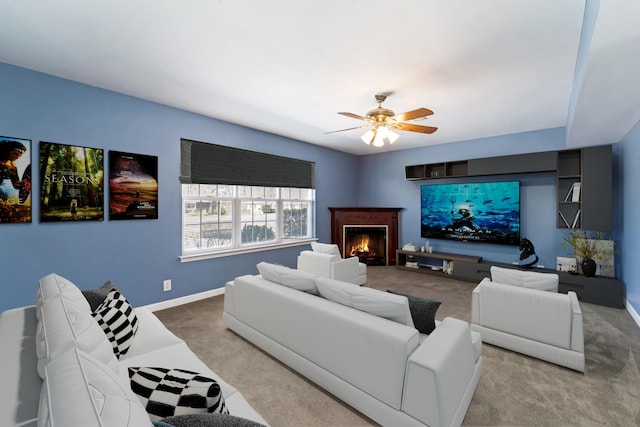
514	390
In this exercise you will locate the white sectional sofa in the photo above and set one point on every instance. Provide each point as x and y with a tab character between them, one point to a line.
529	320
384	368
59	368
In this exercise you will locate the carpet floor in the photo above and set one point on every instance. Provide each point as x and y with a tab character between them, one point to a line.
514	389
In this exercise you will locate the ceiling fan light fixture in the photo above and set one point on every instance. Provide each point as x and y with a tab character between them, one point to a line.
368	137
380	136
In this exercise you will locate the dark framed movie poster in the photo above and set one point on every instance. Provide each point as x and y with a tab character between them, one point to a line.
15	180
71	183
133	186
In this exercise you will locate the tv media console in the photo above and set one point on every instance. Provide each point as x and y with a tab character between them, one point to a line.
600	290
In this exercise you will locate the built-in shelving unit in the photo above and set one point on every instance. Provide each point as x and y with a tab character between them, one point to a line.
569	189
584	180
437	170
438	263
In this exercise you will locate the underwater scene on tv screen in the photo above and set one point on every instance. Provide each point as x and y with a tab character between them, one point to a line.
485	212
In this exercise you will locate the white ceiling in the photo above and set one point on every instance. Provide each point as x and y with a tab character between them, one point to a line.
486	68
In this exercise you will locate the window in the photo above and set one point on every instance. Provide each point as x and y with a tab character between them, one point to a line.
218	218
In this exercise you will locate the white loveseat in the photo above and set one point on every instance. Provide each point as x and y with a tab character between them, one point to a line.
384	368
325	260
539	323
59	369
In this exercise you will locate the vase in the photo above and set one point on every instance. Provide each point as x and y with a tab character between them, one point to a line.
588	267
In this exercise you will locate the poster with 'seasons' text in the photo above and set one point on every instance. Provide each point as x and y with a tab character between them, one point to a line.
72	183
133	186
15	180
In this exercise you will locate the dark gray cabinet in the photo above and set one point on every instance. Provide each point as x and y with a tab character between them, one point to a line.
607	291
519	163
597	176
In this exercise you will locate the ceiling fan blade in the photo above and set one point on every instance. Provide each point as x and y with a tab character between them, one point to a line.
342	130
354	116
413	114
415	128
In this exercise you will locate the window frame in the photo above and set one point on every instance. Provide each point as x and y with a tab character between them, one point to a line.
237	246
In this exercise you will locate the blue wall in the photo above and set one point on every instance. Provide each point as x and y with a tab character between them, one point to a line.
139	255
629	232
136	255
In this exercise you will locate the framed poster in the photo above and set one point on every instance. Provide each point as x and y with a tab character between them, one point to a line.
133	186
71	183
15	180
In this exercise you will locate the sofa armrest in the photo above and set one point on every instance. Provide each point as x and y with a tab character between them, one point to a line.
475	301
346	270
439	373
317	263
577	331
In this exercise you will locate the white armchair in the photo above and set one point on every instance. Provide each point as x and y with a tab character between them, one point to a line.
524	317
325	260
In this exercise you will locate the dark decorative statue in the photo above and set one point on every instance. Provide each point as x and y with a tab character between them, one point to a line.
527	251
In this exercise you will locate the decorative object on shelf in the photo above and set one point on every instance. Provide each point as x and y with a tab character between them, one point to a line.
527	253
593	251
410	247
589	267
567	264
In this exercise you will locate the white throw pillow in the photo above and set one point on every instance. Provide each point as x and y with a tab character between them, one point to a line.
326	248
373	301
289	277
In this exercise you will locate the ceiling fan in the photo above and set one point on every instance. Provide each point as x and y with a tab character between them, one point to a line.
381	121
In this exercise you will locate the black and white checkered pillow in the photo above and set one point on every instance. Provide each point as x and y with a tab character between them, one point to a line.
118	321
168	392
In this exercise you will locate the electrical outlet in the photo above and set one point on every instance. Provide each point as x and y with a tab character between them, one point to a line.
166	285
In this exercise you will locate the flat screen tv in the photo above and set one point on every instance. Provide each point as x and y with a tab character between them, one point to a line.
484	212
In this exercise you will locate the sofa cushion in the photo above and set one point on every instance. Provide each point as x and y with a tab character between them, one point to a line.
373	301
290	277
62	325
53	285
326	248
118	320
423	312
95	297
206	420
78	390
525	279
168	392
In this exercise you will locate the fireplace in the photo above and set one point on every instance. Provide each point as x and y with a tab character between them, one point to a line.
371	234
369	243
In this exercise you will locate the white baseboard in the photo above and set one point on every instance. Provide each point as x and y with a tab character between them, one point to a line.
184	300
634	314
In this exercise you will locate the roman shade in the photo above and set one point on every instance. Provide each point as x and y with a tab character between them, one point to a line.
204	163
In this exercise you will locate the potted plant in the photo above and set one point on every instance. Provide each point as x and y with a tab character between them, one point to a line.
587	249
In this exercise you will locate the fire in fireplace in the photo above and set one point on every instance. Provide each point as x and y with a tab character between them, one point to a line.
367	242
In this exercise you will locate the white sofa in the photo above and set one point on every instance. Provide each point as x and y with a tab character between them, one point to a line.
59	369
325	260
542	324
384	368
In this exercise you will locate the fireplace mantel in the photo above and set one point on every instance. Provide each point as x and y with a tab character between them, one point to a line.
366	216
